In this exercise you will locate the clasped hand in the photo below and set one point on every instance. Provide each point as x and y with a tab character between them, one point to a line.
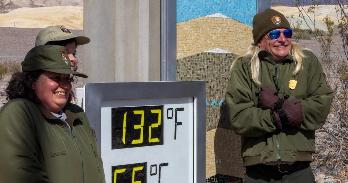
285	111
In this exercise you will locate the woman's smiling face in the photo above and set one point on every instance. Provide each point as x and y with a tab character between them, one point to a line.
53	90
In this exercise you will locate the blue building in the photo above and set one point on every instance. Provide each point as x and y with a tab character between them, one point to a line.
242	11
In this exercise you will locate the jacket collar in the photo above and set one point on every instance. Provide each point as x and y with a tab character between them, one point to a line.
267	56
72	117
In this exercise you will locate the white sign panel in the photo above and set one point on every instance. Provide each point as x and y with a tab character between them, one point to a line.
149	137
150	141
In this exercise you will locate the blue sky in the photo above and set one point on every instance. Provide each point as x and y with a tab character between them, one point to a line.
242	11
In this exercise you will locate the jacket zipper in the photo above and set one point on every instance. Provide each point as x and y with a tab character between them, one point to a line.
276	77
276	83
77	147
71	132
277	144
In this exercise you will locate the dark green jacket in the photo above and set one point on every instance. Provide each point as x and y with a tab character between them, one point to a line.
36	147
261	141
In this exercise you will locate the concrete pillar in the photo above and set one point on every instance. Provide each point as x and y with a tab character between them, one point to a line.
262	5
125	40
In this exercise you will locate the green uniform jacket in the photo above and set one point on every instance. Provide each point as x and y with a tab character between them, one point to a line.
261	141
36	147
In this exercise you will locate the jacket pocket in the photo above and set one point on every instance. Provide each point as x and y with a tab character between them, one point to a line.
58	153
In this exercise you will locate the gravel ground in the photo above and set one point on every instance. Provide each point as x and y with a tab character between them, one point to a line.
3	84
16	42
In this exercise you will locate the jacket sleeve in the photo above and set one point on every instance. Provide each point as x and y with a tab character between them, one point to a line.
19	152
95	148
317	105
245	118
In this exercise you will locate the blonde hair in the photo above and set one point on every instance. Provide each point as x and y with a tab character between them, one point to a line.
254	50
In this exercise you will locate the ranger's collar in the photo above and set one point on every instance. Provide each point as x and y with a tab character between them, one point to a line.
71	113
267	56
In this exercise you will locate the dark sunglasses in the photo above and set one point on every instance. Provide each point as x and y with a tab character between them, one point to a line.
275	34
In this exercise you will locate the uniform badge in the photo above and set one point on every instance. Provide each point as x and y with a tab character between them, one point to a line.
64	56
64	29
292	84
276	20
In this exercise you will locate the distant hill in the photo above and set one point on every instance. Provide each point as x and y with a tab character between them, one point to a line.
70	16
304	2
193	36
8	5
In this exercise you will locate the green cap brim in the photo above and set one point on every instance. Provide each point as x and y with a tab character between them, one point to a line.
66	71
80	40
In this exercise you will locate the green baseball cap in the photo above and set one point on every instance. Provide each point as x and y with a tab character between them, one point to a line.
58	33
50	58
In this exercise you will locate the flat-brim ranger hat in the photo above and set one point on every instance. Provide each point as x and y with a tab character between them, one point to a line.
58	33
52	58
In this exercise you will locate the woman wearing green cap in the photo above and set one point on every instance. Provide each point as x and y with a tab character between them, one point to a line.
276	98
43	137
60	35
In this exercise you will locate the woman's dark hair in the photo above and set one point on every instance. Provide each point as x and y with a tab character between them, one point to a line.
20	85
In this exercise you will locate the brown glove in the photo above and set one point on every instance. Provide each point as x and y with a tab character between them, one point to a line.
292	109
268	98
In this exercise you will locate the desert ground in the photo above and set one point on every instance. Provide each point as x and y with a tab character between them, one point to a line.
70	16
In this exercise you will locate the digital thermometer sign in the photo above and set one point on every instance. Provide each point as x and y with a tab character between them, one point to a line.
137	126
149	132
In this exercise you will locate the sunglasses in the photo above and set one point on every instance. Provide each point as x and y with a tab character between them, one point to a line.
275	34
